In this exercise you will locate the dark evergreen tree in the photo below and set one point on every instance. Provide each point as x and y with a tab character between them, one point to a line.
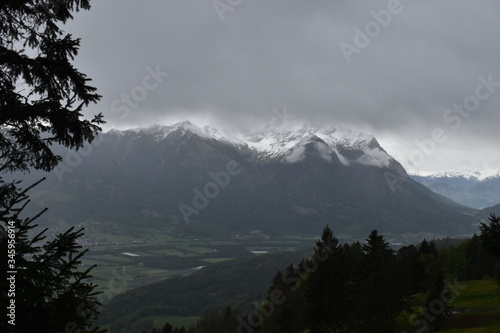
281	318
490	239
41	93
325	287
380	298
286	294
409	268
51	292
479	263
490	235
41	101
352	261
424	253
429	259
435	310
167	328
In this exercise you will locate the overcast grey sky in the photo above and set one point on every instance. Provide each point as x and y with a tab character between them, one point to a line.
394	69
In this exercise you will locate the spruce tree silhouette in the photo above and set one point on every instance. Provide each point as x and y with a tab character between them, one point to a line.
41	99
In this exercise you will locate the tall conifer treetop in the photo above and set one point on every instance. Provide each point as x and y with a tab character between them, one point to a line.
41	93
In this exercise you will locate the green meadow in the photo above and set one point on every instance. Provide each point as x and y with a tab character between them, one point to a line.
476	309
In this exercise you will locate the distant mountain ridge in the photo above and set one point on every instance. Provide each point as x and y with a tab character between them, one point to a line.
285	180
478	188
472	175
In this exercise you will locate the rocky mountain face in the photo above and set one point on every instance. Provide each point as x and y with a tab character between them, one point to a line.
278	180
476	188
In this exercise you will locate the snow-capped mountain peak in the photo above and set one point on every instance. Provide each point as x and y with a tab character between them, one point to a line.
286	144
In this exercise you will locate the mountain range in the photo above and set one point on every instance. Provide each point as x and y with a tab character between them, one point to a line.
474	188
200	182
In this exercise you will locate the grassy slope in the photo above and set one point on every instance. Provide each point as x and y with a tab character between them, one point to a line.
479	307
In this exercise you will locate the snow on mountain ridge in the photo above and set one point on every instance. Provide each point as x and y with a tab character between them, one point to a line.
287	144
475	174
336	134
275	142
160	132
